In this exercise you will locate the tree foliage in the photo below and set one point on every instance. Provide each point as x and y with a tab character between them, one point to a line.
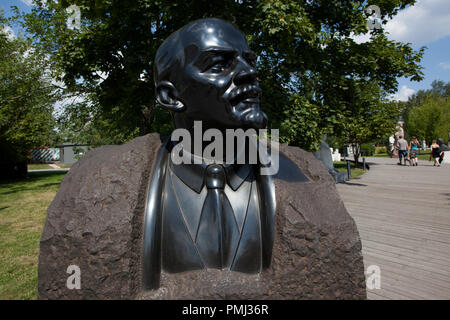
26	100
374	121
427	113
311	70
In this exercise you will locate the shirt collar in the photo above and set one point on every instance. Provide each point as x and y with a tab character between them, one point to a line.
193	175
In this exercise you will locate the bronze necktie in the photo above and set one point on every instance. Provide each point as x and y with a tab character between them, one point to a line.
217	234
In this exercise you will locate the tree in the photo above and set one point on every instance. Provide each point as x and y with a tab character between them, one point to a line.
310	67
430	119
26	102
426	113
373	121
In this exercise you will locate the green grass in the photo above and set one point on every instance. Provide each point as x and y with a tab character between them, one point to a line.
64	165
423	155
38	166
381	155
342	166
46	166
23	206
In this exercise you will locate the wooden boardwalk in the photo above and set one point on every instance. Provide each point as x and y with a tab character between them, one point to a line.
403	217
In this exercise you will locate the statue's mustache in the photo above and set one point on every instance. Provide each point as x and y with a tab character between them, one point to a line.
244	92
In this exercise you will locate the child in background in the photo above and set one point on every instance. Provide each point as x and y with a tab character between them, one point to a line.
414	150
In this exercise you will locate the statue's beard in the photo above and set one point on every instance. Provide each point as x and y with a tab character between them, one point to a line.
245	110
249	116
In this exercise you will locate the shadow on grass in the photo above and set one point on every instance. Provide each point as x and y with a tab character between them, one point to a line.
35	181
44	174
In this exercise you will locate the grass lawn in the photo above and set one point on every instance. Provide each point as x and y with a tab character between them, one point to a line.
64	165
381	155
35	166
423	155
23	206
342	166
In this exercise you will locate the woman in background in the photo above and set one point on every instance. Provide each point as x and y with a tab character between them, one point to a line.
435	153
413	150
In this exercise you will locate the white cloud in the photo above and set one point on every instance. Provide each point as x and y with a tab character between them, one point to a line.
445	65
60	105
102	76
30	2
8	31
403	94
425	22
27	2
361	38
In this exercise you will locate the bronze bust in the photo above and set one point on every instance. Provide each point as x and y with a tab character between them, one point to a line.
198	215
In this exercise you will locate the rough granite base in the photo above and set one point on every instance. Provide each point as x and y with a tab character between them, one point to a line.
96	223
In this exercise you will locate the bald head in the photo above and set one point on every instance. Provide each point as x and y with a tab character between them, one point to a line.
184	45
206	72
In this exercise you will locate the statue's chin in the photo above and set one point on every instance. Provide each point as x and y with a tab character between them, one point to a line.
252	117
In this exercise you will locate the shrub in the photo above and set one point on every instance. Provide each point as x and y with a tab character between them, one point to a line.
380	150
367	149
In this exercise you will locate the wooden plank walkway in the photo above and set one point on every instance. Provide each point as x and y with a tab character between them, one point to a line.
403	217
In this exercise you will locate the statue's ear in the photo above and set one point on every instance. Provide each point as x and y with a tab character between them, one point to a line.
167	96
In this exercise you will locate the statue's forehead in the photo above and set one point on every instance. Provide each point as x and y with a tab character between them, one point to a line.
215	35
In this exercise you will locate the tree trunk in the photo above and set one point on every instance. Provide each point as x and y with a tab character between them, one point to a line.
356	153
12	170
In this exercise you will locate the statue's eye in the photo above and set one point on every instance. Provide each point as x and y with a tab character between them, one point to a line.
219	66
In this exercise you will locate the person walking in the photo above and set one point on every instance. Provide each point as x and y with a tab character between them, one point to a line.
435	153
402	150
414	150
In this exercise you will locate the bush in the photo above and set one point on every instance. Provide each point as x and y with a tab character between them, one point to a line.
380	150
367	149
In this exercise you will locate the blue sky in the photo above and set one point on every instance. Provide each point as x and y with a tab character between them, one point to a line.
427	23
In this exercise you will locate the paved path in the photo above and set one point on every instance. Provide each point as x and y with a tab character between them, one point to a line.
403	217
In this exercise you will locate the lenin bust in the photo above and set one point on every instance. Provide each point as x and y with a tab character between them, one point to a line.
138	224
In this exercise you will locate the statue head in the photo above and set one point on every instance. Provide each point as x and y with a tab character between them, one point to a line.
442	145
206	72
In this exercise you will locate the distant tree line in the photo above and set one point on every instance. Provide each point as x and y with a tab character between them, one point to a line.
26	102
427	113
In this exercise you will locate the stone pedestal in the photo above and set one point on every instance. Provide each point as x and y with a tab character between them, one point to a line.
96	223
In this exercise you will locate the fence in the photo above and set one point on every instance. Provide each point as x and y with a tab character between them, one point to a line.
45	155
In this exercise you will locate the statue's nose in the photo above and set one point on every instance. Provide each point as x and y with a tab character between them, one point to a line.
246	74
